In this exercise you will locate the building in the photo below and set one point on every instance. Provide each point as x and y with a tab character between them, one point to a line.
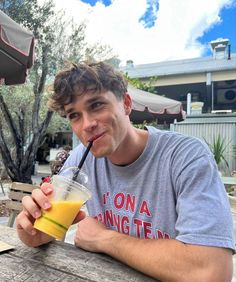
210	80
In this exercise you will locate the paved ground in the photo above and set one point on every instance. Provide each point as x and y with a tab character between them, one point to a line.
44	170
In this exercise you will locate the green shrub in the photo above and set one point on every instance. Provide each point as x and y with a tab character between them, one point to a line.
218	149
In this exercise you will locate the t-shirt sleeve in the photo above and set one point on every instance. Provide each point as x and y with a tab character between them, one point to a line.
204	216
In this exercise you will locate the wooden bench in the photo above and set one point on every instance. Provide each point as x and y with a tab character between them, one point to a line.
232	201
17	191
229	180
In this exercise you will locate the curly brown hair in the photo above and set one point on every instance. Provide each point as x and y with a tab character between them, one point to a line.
85	78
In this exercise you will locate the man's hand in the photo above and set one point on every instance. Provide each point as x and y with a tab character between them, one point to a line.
32	206
188	262
90	233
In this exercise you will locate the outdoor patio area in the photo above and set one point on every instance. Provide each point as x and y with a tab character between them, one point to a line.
115	136
44	170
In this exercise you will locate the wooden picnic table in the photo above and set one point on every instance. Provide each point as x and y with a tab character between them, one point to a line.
59	261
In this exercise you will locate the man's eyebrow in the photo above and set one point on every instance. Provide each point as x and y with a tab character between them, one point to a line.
69	110
93	99
87	103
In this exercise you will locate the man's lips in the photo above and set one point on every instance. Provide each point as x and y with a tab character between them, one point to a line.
95	137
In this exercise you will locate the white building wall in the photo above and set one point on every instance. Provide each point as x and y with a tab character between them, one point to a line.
208	130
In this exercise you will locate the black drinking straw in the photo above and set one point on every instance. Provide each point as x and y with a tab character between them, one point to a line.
82	160
78	169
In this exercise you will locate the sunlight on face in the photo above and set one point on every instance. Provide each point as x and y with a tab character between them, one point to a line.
101	117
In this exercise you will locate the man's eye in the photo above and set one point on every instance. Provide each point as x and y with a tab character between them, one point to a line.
73	116
96	105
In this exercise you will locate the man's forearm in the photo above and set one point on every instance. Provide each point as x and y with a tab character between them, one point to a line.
170	260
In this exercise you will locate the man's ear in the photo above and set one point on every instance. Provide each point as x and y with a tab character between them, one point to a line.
127	104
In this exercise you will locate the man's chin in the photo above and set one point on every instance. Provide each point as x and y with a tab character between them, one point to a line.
100	153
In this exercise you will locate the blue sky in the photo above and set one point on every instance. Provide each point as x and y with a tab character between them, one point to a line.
93	2
147	31
225	29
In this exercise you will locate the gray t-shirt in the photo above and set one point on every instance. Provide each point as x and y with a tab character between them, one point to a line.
173	190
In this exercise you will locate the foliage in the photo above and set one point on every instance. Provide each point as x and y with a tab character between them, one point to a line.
234	150
144	124
24	117
146	86
218	149
233	153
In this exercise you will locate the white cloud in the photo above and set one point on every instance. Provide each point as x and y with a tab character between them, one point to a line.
178	26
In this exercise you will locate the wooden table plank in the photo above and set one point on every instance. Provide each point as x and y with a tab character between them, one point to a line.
59	261
30	270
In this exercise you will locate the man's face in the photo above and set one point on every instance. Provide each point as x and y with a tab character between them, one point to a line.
100	117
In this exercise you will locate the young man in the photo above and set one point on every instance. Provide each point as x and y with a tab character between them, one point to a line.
158	203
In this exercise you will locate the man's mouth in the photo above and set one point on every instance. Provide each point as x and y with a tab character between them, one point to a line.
95	137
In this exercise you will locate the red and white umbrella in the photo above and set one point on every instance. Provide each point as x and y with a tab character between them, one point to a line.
150	107
16	51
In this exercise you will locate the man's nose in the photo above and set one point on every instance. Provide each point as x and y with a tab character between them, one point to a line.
89	122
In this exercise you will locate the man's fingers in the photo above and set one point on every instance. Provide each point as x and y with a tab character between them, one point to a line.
32	208
81	215
47	188
35	203
41	199
23	221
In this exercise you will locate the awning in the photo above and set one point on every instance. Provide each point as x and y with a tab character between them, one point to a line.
151	107
16	51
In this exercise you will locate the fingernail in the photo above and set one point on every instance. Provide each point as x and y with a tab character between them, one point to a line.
37	214
48	190
46	205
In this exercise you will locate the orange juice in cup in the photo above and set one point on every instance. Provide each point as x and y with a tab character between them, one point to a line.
67	198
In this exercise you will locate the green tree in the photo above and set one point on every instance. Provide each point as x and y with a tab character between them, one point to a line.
24	118
146	86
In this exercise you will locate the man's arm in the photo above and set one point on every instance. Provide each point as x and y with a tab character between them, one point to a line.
163	259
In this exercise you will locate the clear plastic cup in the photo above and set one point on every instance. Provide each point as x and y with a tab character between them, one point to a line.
67	198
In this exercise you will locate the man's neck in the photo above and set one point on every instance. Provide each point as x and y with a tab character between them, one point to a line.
131	148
